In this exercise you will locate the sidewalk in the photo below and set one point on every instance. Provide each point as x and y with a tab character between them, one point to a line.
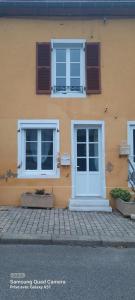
61	226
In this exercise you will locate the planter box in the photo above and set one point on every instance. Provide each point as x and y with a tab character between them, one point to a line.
35	200
126	208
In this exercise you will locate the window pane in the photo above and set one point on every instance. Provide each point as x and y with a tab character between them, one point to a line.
31	162
75	84
47	135
60	84
81	164
47	148
93	164
81	135
93	149
81	149
74	69
60	55
75	55
31	135
60	69
93	135
31	148
47	163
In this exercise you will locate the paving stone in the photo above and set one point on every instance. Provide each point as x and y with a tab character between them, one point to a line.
63	222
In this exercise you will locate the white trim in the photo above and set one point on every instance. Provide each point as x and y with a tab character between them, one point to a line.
71	95
66	41
37	124
131	123
88	122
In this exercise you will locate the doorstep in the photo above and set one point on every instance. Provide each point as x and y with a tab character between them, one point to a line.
89	204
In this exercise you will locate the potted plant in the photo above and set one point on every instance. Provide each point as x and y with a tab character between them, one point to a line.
124	201
39	198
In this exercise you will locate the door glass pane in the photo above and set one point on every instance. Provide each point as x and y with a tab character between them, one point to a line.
31	148
93	135
75	55
81	150
93	164
60	55
134	144
31	162
47	135
75	69
93	150
47	148
81	135
60	69
31	135
81	164
47	163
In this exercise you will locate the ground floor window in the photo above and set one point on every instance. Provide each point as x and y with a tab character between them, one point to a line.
38	147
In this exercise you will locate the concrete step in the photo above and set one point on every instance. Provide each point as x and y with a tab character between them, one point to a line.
91	208
89	204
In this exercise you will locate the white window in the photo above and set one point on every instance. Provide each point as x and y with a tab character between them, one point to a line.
68	68
38	148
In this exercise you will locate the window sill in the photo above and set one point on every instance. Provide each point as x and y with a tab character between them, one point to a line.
38	176
70	95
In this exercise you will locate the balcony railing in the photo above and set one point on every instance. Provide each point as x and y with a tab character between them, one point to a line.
68	89
131	175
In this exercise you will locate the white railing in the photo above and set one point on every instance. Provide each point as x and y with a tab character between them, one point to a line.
68	89
131	175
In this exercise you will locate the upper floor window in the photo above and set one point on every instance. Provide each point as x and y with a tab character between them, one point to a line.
68	64
67	68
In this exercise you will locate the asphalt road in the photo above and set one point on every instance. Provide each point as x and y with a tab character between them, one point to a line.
66	273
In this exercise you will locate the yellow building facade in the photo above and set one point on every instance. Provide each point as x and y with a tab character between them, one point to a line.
112	110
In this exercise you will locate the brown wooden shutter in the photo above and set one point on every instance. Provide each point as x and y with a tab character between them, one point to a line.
43	68
93	80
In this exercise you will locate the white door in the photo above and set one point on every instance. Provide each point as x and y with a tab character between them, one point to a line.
88	160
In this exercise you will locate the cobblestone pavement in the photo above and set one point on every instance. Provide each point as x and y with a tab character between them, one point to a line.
62	222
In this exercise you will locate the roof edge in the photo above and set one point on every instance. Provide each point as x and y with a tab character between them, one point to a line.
67	8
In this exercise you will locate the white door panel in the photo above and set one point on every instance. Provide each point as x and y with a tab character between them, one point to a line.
88	160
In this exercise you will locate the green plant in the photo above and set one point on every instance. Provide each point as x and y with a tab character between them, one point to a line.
40	192
121	193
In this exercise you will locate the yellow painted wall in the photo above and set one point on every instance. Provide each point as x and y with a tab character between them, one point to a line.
18	99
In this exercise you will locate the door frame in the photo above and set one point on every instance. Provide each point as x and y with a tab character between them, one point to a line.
102	126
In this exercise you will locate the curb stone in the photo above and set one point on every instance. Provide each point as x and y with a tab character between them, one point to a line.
32	239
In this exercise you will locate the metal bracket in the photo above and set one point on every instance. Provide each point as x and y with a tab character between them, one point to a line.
19	166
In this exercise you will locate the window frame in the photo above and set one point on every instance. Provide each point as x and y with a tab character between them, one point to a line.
67	42
37	124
